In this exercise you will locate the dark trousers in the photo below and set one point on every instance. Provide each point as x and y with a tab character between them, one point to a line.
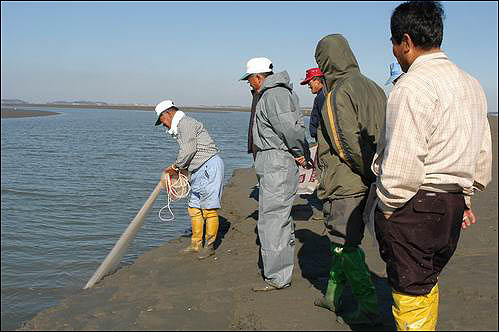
419	239
343	218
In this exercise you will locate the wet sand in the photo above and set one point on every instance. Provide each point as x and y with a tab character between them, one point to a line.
20	113
165	290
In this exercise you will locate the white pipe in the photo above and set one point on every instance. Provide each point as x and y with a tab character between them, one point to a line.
119	249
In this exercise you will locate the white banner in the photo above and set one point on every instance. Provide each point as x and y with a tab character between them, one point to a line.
307	181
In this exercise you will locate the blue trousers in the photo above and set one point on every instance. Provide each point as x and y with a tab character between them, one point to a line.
207	184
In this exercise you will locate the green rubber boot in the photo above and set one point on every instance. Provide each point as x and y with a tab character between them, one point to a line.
358	276
336	282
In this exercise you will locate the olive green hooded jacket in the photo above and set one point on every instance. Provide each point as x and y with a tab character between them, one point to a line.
353	116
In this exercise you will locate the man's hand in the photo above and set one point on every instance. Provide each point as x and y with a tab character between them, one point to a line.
171	170
301	161
468	218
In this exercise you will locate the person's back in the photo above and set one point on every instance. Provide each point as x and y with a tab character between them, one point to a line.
451	118
196	151
370	107
457	119
353	116
279	121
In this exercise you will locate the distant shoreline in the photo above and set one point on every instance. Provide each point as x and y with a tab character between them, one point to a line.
306	111
8	113
20	111
130	107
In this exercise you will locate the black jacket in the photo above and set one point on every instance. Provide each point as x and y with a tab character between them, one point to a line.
315	115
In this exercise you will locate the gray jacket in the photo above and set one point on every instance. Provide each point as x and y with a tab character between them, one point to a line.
195	144
278	118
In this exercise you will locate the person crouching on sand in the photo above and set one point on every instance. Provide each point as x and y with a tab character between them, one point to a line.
197	154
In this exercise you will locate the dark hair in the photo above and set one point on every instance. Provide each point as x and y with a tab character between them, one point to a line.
421	20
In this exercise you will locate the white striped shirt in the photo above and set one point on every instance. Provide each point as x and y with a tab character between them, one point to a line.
436	135
195	144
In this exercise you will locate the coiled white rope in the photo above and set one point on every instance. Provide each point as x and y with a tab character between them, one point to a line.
175	189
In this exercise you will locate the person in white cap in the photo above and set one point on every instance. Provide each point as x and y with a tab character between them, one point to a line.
197	154
277	141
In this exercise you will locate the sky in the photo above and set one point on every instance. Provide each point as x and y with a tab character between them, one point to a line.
195	52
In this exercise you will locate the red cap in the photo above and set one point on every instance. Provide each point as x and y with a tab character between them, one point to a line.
311	73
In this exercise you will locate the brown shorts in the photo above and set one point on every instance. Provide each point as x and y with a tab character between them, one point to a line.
419	239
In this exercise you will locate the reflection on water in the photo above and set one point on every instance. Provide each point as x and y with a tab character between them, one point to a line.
71	183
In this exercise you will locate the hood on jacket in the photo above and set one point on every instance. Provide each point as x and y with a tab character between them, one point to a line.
277	79
335	59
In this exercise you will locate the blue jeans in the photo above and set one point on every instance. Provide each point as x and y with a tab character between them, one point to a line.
207	184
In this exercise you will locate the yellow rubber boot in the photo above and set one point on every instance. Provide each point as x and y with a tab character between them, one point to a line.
211	217
416	313
197	230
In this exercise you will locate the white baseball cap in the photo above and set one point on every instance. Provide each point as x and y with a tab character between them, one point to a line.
163	106
257	65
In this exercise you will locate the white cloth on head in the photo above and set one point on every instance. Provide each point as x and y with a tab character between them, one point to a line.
176	118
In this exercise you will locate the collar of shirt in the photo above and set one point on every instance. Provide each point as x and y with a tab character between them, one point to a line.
176	119
427	57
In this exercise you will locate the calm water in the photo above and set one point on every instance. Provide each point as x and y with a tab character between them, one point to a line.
71	183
